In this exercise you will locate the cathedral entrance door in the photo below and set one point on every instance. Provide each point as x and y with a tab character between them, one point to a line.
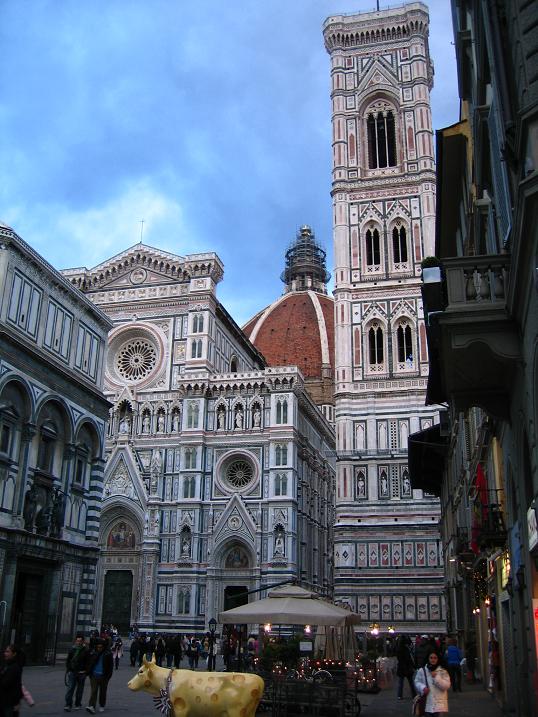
117	597
235	596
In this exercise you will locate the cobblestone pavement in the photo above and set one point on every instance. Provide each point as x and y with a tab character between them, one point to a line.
47	687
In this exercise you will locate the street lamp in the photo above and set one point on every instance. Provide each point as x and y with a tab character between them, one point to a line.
211	658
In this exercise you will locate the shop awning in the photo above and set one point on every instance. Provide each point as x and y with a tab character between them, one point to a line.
427	451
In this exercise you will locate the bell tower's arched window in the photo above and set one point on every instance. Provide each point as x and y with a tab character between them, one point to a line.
373	252
375	344
381	131
399	245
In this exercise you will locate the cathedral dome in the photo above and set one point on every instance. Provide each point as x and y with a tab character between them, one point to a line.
298	328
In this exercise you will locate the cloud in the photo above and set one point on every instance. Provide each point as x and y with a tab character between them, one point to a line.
85	237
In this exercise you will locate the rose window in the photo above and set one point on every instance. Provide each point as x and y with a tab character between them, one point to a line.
239	474
136	359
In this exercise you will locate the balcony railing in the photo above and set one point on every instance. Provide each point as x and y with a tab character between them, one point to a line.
476	282
489	529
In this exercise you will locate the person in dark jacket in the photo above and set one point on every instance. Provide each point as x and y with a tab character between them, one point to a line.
160	650
406	665
76	666
133	650
10	682
453	658
423	649
100	668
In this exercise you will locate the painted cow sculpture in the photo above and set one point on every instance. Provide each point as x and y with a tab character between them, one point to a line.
201	694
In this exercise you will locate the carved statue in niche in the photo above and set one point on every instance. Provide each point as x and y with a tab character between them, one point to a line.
125	424
256	416
175	421
156	468
239	418
221	416
43	519
406	485
160	423
30	508
146	423
185	544
279	544
57	514
384	485
361	485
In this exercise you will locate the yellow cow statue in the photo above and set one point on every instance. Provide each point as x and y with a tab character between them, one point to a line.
187	693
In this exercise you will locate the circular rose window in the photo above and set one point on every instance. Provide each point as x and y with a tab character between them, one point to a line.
136	359
239	473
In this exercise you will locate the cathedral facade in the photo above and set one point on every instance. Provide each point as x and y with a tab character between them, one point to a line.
219	476
388	555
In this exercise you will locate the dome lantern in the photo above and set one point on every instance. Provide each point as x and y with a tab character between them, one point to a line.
305	264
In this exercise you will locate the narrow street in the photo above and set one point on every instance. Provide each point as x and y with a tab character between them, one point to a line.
47	687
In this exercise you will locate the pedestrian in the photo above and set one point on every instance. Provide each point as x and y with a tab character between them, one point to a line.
100	669
11	682
470	656
76	666
197	648
433	681
406	665
176	650
423	648
160	650
453	658
190	653
117	651
133	650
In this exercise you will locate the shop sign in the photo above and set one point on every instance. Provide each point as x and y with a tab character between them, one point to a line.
532	527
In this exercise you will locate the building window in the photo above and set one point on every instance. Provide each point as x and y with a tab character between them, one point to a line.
373	253
183	602
47	446
282	411
399	245
375	345
5	439
24	305
381	140
281	455
193	415
87	356
196	349
190	458
239	473
58	330
197	323
281	484
233	364
405	346
189	487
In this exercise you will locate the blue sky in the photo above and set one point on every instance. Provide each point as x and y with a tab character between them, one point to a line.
209	119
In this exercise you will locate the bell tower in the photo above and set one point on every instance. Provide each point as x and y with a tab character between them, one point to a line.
388	562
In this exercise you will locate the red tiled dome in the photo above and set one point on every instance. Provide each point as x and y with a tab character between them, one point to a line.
298	330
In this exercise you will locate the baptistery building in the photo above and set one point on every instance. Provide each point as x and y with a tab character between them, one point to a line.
52	434
219	476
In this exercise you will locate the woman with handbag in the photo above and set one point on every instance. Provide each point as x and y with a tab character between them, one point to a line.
432	682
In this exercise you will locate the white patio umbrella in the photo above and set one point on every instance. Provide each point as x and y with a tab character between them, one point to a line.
289	605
